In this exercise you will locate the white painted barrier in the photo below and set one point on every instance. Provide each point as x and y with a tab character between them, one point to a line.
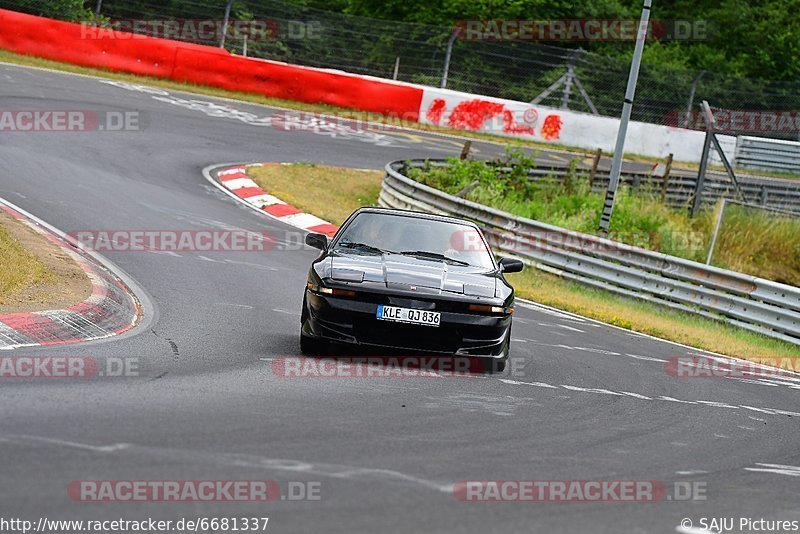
571	128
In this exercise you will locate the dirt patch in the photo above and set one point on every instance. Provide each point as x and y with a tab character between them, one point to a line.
62	284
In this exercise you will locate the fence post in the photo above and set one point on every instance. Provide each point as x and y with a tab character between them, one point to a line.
396	67
701	175
688	122
225	23
97	11
665	181
595	163
448	55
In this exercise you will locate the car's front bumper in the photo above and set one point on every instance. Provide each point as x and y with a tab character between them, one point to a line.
353	321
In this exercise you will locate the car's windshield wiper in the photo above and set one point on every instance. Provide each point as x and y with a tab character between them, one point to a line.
433	256
363	247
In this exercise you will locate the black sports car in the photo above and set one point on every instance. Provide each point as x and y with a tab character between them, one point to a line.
407	280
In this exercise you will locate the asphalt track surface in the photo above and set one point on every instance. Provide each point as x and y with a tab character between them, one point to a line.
386	452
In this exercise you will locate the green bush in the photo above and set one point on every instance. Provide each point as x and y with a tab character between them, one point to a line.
750	241
71	10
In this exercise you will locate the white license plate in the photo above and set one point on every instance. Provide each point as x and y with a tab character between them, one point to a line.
407	315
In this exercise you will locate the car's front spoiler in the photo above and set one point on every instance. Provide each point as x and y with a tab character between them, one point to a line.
350	321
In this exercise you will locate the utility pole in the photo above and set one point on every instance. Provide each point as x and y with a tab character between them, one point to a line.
616	163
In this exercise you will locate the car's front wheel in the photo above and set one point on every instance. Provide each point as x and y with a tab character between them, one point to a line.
312	346
493	365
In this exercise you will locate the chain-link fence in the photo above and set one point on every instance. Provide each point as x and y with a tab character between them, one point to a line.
524	71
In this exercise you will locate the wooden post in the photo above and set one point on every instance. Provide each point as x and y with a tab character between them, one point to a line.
593	172
665	181
465	150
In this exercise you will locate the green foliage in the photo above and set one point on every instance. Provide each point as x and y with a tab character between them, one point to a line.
746	44
751	241
72	10
753	39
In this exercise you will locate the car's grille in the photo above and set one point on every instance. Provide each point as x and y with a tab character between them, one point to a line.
417	337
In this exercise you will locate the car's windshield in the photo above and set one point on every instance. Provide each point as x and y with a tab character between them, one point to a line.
426	239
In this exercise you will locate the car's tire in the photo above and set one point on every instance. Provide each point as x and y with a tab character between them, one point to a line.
492	365
312	346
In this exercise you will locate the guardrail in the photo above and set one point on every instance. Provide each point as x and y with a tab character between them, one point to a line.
751	303
680	185
768	154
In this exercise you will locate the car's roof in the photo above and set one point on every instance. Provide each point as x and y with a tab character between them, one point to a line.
415	215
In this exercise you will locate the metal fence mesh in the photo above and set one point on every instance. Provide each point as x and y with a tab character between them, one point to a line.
513	70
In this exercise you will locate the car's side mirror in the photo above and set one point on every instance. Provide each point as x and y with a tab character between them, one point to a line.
510	265
319	241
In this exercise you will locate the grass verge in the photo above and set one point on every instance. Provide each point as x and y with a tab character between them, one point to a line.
19	268
35	274
337	192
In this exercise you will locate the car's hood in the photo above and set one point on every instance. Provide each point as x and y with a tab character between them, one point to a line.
408	273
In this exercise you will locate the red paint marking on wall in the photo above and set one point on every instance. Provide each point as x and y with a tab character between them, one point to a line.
551	129
436	110
472	114
510	126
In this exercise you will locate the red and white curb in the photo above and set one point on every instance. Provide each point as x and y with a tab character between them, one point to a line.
235	181
110	310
